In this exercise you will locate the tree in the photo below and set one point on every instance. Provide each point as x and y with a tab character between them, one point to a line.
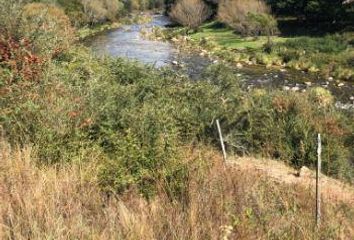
248	18
101	10
190	13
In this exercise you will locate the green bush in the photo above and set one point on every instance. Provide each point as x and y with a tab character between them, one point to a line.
272	124
54	114
285	126
330	55
327	44
262	24
148	118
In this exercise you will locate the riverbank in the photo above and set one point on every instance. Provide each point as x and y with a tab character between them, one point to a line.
132	41
89	31
330	56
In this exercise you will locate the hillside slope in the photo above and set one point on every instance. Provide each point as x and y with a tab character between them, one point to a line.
333	190
247	199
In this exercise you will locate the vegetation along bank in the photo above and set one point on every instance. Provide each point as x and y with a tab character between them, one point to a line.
312	36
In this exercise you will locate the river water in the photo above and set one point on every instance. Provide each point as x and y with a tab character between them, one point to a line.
128	42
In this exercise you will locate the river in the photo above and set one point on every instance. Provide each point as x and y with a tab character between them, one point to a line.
128	42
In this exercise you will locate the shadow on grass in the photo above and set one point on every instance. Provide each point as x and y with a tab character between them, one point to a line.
216	25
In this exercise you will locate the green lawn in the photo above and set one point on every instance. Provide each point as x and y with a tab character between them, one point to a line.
225	37
330	55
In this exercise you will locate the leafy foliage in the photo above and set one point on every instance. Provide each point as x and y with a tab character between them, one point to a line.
331	54
18	62
311	9
47	27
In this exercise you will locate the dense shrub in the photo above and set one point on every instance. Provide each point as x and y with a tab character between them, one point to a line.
156	4
150	113
285	126
10	14
331	55
145	124
190	13
132	5
51	114
141	119
18	62
247	17
47	27
99	11
327	44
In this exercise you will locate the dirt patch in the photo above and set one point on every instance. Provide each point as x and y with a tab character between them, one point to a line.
332	189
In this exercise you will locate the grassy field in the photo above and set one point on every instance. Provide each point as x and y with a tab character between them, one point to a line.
226	37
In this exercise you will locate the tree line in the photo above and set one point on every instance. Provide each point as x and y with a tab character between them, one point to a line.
325	10
310	10
90	12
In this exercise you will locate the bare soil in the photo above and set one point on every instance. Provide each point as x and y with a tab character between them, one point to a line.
332	190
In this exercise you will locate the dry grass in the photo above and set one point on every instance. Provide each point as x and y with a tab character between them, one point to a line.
66	203
333	190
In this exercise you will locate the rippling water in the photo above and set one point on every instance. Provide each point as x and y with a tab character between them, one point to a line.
128	42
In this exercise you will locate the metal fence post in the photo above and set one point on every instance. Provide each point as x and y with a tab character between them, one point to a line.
318	185
221	140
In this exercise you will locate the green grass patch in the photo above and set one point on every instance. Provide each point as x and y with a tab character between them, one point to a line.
227	38
330	56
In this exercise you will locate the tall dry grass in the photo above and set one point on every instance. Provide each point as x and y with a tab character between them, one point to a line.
41	202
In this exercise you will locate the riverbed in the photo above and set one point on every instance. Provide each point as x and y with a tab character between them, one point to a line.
128	42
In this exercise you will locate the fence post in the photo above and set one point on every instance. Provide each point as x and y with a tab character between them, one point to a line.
318	185
221	139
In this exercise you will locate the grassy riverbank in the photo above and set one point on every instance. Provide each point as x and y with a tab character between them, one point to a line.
225	37
330	56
